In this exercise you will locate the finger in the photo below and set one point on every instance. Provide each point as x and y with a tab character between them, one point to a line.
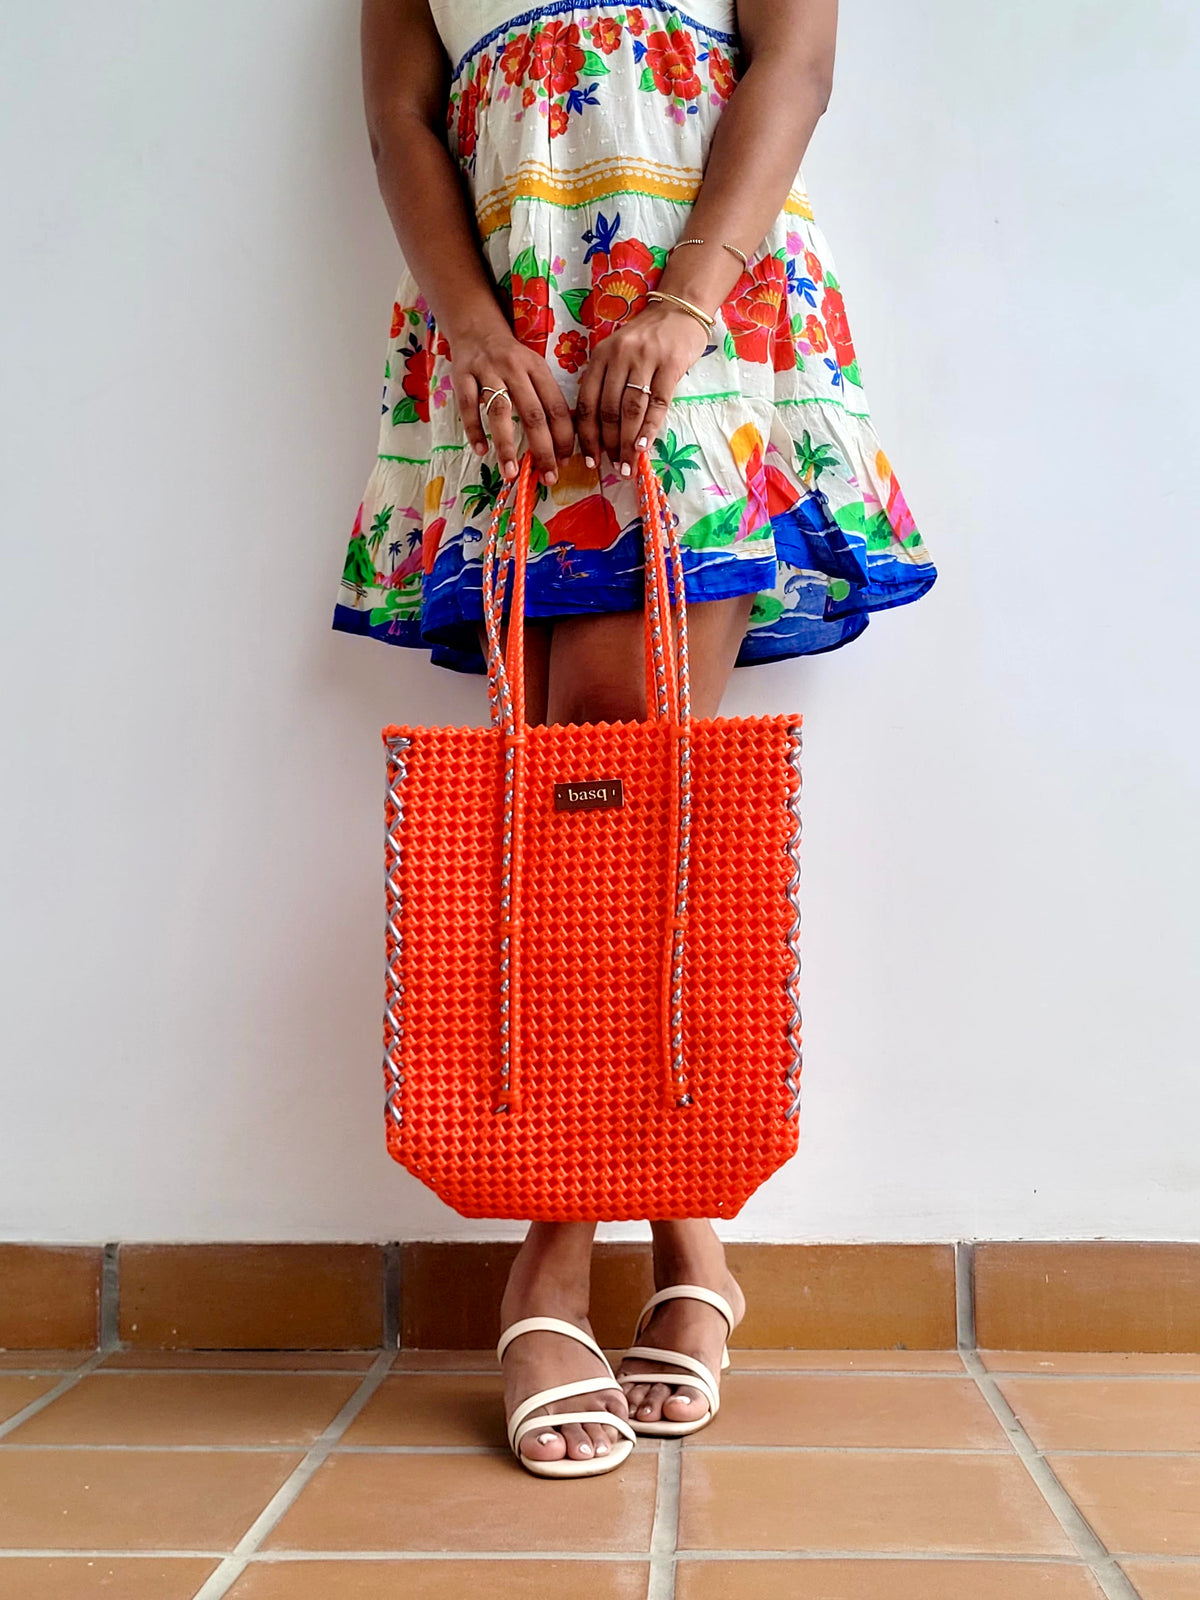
633	413
500	423
556	410
466	395
533	420
587	409
656	411
610	409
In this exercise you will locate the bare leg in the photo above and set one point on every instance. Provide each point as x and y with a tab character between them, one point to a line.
590	669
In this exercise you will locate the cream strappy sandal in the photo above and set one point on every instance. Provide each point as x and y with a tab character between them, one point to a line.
523	1421
701	1378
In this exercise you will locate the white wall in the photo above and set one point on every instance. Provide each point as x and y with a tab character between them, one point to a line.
1000	870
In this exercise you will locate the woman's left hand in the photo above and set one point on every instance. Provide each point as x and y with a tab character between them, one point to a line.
653	348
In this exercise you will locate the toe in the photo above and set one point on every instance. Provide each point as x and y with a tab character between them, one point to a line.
650	1408
635	1395
579	1446
603	1439
543	1444
685	1405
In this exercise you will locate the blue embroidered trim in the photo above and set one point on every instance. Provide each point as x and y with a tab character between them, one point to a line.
573	5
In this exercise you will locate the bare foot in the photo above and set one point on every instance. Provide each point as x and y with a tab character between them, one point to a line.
549	1278
684	1252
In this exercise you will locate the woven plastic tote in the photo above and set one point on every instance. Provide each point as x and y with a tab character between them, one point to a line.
592	1007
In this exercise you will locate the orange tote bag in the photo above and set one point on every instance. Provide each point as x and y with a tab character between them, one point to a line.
592	1006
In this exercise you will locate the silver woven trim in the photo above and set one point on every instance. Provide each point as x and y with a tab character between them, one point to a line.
792	1076
393	1015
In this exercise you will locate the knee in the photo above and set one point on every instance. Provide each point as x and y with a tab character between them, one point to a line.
602	702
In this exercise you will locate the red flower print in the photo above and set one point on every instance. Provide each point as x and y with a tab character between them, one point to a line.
721	71
467	107
514	62
635	21
418	369
571	351
620	281
442	346
532	317
473	96
557	56
815	333
528	96
397	320
606	35
558	120
837	327
756	313
813	266
671	58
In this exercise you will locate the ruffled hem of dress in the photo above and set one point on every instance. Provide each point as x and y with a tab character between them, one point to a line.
843	542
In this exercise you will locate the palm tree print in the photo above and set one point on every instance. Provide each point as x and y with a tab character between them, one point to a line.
813	459
674	461
379	528
482	496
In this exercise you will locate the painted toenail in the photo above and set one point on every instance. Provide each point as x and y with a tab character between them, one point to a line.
547	1438
646	1410
601	1449
585	1449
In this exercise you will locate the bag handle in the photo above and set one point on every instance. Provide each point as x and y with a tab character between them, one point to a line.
668	699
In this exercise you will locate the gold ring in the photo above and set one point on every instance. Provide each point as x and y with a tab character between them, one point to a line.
496	394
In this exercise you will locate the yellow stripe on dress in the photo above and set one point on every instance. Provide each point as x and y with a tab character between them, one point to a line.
598	180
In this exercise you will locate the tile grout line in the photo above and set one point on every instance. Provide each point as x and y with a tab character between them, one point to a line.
964	1293
1087	1543
664	1536
281	1558
51	1395
110	1299
234	1564
393	1288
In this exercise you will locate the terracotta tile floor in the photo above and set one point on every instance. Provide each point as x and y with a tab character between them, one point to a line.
829	1475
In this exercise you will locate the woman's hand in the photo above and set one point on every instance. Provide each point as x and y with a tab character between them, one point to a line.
655	347
496	359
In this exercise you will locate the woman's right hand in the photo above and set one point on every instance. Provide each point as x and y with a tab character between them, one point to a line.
495	358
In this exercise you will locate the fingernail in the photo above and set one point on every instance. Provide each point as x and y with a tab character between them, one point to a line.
549	477
625	469
481	448
641	444
510	469
591	460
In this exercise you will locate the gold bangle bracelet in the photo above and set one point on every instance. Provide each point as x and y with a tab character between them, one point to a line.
684	305
732	248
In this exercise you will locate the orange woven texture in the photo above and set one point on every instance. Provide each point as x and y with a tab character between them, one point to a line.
593	1134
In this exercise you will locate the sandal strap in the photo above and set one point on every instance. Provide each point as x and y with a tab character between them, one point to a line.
704	1379
687	1291
608	1419
561	1391
550	1325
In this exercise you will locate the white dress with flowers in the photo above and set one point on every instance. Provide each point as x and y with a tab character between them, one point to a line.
582	132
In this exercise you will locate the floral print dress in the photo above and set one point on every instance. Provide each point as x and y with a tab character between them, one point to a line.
582	133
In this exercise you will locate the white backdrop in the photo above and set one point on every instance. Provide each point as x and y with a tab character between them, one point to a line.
1000	862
